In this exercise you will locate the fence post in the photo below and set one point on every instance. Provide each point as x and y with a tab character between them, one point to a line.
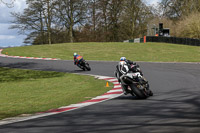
145	39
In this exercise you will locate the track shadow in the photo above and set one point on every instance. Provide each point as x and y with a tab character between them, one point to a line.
27	65
170	115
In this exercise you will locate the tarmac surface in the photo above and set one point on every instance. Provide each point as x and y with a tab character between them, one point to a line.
175	106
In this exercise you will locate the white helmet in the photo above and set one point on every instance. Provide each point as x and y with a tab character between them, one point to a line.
123	59
75	54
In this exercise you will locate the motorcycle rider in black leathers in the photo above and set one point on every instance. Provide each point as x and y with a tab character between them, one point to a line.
124	67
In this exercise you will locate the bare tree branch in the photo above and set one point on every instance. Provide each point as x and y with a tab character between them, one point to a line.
8	4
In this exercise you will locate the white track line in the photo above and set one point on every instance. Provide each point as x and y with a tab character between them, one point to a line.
113	93
23	57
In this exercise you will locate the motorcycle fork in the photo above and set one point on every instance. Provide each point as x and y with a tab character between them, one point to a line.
129	88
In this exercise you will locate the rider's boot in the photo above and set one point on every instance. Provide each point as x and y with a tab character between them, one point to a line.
124	89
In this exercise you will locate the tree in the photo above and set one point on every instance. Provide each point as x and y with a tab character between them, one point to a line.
93	19
105	16
48	17
177	8
51	21
30	22
115	8
189	27
134	19
8	4
113	20
133	12
71	12
36	20
103	20
185	16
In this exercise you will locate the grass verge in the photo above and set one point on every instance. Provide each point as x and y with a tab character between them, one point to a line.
153	52
28	91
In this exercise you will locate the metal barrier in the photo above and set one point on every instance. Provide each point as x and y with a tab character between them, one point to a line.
176	40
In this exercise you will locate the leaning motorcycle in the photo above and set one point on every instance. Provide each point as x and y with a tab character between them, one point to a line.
137	85
84	65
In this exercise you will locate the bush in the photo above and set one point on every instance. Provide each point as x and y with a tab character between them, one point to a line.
189	26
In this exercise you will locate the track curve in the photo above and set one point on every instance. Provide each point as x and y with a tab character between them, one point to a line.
174	107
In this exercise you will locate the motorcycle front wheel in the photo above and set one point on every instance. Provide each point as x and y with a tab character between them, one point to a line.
139	93
87	66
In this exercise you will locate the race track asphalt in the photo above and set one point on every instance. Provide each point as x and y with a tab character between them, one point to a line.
174	108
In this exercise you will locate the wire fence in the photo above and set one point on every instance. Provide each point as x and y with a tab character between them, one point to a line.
176	40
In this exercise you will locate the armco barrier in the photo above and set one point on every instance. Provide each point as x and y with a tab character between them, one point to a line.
176	40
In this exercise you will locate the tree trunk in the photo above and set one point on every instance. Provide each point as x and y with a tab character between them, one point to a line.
105	20
42	29
71	33
71	22
49	22
94	19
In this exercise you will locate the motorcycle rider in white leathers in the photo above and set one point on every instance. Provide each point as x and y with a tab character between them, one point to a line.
123	67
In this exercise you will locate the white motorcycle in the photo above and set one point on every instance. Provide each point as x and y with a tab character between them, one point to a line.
137	85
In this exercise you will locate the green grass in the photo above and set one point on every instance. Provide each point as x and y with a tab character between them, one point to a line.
28	91
150	52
